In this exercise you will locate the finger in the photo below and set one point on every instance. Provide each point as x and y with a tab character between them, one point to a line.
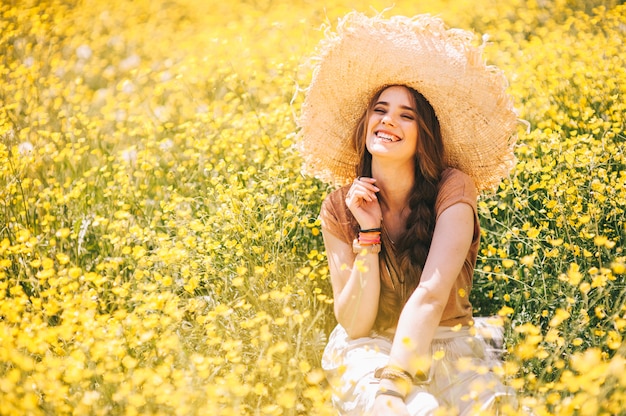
368	183
365	188
365	179
363	195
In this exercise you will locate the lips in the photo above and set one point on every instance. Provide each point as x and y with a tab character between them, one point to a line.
387	137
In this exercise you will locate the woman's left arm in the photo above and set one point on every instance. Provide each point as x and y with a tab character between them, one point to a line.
422	313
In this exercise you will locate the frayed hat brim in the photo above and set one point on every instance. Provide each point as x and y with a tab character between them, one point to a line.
477	117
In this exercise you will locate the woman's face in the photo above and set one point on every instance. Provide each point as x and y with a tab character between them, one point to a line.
392	125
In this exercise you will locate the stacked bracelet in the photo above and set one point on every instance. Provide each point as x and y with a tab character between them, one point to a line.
369	237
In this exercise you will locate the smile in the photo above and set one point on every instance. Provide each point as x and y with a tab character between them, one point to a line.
387	137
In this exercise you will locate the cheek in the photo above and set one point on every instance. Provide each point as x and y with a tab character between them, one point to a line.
411	129
371	122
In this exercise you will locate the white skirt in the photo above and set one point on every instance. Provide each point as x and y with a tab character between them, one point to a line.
461	379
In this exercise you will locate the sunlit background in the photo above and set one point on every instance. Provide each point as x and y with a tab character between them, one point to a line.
160	252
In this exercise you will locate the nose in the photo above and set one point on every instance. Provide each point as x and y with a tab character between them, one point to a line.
387	120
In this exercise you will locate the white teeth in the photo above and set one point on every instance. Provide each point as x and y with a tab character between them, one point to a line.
386	137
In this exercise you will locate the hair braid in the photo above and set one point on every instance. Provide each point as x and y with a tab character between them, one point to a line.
414	244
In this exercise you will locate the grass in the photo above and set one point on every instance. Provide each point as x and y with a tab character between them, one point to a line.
160	250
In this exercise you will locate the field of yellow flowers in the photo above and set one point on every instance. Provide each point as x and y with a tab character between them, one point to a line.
160	251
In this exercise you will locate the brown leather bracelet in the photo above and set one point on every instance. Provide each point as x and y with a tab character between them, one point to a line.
389	392
371	230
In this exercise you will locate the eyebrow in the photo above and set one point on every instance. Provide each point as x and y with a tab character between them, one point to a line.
404	107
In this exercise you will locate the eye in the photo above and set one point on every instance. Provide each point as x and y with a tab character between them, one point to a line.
379	110
408	116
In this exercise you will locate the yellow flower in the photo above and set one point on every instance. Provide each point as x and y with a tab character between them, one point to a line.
62	258
505	310
573	276
618	267
560	315
63	233
508	263
614	340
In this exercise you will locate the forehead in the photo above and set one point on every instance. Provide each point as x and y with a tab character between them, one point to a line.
398	95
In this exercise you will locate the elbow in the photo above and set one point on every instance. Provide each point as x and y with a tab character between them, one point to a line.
354	327
428	300
354	333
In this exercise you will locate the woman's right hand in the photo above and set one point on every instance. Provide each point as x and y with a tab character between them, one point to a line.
363	203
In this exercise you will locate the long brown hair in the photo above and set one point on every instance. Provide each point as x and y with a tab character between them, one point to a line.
400	273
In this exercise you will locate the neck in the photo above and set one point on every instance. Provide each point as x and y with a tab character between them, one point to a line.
395	183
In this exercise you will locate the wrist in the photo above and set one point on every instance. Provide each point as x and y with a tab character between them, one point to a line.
367	238
364	249
370	227
389	387
390	394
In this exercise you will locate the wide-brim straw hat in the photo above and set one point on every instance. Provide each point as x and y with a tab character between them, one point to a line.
477	117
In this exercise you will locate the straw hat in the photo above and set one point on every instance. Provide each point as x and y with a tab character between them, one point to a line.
476	115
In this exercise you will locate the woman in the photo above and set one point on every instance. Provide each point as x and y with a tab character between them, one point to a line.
406	112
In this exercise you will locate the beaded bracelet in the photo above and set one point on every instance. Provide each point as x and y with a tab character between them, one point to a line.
395	373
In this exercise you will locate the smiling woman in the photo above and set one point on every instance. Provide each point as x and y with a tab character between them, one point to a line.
160	248
402	238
